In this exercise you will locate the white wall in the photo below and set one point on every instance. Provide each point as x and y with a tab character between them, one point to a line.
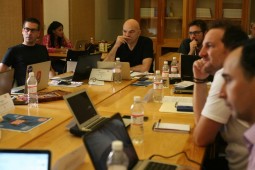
56	10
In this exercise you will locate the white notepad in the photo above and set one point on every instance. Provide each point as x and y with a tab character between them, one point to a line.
171	127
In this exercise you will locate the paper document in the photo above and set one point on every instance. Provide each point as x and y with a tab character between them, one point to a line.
170	102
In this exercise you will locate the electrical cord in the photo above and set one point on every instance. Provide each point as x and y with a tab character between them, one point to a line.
171	156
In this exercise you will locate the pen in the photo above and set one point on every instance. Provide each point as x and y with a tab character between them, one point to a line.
159	122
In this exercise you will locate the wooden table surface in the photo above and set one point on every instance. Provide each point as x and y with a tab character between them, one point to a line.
61	142
57	110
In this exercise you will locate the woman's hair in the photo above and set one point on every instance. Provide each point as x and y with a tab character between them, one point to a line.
53	26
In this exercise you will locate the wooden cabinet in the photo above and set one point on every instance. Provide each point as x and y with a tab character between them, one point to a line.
235	10
166	21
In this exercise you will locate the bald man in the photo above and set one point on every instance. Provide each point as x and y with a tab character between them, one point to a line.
133	48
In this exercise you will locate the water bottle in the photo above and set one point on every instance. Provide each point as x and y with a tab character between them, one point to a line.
117	159
174	66
117	77
165	74
32	90
137	118
157	87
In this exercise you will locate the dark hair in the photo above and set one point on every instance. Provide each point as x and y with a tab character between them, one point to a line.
32	20
200	23
247	60
233	36
54	25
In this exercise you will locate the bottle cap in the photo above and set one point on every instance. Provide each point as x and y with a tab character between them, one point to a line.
31	74
117	59
165	62
174	58
137	98
117	145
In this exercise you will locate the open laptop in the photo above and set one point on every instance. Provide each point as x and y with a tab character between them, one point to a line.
80	45
83	110
25	159
125	68
6	81
98	145
41	71
186	62
83	67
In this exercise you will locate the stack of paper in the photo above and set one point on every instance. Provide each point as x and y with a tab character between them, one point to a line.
203	12
171	127
170	104
232	13
147	12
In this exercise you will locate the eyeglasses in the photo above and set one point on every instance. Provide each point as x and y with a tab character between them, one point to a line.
26	29
195	33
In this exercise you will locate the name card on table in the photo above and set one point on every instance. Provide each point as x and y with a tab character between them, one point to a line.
6	103
101	74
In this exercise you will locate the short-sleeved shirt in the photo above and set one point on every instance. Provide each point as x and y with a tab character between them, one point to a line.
19	56
233	129
142	50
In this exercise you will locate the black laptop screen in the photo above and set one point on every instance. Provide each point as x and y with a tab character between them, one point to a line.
186	66
98	142
82	107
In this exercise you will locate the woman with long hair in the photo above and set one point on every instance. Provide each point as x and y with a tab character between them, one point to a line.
55	40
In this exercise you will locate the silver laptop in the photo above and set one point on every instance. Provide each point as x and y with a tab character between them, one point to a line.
25	159
125	68
41	71
6	81
98	144
83	110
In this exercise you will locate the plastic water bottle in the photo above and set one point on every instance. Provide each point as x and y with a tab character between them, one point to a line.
157	87
32	90
165	74
117	77
137	118
174	66
117	159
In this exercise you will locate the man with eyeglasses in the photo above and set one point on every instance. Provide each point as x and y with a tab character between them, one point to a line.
29	52
133	48
193	44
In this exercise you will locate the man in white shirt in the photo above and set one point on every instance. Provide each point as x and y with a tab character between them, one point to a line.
211	113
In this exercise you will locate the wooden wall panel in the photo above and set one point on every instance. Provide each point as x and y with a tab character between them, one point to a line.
81	19
11	24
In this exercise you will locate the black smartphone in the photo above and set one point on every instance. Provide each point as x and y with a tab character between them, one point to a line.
128	117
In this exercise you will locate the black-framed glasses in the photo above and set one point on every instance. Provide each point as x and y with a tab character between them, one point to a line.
26	29
195	32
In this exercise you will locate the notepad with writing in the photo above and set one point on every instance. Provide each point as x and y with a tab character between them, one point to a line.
171	127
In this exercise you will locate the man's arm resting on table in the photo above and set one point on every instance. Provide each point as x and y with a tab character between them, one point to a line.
111	55
145	66
199	98
206	129
3	67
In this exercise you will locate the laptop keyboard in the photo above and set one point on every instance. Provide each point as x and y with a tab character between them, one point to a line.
159	166
96	123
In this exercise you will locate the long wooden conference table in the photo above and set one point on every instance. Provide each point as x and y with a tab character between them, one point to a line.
108	99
